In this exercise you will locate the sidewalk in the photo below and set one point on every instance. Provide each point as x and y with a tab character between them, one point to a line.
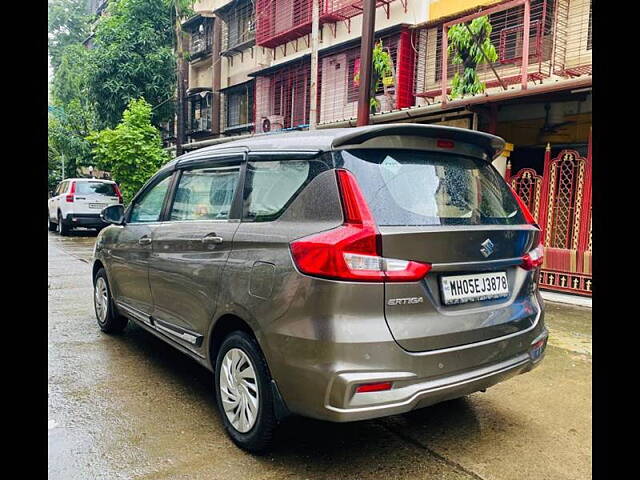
556	297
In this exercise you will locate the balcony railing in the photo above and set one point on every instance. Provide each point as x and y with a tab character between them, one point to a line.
200	44
557	46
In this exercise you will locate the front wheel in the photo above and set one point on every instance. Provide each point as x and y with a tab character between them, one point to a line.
243	391
109	320
52	226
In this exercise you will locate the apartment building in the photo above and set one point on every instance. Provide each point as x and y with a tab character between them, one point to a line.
537	93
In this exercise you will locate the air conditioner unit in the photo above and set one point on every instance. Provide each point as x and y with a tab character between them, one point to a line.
272	123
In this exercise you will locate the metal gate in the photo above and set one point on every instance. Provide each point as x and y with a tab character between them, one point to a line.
560	200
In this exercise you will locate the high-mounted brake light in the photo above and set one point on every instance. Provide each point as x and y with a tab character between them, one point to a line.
119	195
440	143
533	259
69	197
352	251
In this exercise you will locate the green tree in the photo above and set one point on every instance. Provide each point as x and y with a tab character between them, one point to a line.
68	25
72	114
132	58
132	151
470	46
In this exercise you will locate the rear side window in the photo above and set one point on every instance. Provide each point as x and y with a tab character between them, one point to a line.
205	194
405	187
100	188
272	185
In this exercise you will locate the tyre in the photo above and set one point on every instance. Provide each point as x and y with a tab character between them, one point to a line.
243	392
109	320
52	226
63	229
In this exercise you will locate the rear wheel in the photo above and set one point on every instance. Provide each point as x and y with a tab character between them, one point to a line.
108	318
62	228
243	391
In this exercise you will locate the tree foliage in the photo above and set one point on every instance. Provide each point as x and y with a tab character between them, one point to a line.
72	114
470	46
68	25
132	58
132	151
382	67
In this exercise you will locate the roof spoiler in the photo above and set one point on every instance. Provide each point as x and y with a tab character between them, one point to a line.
492	144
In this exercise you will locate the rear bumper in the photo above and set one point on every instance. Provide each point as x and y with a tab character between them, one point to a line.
320	380
87	220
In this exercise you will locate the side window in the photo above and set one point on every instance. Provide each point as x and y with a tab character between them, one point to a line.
62	188
272	185
205	193
149	207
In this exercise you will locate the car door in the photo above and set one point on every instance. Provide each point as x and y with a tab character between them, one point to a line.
190	250
131	248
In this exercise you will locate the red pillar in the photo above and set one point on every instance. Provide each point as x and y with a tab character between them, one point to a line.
405	64
546	189
585	212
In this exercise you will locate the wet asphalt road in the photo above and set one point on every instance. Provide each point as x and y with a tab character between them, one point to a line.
131	407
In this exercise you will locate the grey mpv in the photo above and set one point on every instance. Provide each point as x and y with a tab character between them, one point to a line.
341	274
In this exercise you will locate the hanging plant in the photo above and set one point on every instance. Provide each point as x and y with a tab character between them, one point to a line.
470	46
381	72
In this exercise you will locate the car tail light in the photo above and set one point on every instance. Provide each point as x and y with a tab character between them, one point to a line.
69	197
525	210
118	193
352	251
533	259
373	387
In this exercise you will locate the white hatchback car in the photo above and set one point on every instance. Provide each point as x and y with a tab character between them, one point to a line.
77	202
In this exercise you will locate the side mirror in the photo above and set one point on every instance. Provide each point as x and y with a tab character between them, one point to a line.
113	214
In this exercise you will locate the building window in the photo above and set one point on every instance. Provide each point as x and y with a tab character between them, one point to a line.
201	39
199	113
239	108
239	24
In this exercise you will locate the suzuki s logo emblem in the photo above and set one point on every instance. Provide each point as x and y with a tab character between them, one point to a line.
486	248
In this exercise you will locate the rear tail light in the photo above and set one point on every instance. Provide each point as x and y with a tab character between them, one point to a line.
533	259
373	387
352	251
118	193
69	197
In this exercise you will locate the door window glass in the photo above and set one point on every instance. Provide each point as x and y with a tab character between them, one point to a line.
149	207
205	194
272	185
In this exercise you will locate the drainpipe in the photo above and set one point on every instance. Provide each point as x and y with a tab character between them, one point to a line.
366	60
215	67
315	43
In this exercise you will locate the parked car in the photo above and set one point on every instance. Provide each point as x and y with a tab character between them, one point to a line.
341	274
77	202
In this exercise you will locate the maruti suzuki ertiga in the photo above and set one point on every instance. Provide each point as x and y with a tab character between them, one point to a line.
341	274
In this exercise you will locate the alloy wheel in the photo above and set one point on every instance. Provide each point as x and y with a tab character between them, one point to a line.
239	390
101	299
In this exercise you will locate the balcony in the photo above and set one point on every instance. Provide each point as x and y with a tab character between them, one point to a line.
201	39
558	47
238	28
198	121
280	21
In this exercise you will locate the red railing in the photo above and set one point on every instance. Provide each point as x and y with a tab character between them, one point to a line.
534	39
280	21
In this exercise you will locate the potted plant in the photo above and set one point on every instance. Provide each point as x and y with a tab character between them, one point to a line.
470	46
381	73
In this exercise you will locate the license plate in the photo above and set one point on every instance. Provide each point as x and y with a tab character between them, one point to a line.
473	288
97	205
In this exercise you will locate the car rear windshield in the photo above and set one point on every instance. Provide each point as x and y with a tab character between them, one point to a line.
407	187
101	188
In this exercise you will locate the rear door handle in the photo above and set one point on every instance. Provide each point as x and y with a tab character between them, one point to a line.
144	241
212	238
